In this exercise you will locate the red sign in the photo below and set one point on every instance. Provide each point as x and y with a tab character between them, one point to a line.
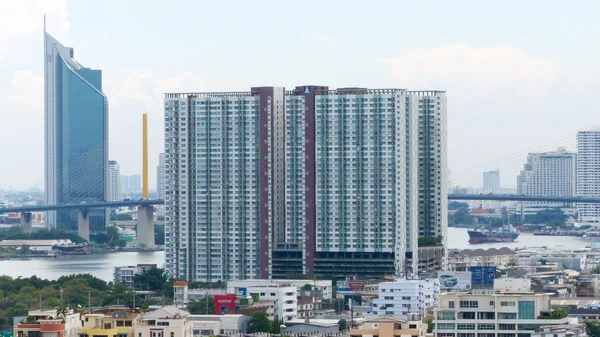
357	285
224	303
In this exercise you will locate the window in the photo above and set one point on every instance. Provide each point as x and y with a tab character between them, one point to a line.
172	334
506	327
162	323
451	304
526	310
445	326
465	326
486	326
469	304
492	303
507	304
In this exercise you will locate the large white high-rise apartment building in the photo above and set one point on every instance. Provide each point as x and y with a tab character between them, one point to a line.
491	181
161	177
269	182
588	173
114	181
548	174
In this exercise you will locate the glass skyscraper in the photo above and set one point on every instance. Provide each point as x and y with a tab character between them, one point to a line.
76	136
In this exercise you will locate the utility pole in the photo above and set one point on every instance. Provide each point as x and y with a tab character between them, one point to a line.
40	302
134	296
61	295
89	299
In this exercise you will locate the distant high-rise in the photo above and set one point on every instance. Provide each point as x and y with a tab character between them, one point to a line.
114	181
310	180
491	181
131	184
76	136
161	177
548	174
588	173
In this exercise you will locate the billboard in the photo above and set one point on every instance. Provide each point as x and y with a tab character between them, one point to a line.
356	285
483	276
455	280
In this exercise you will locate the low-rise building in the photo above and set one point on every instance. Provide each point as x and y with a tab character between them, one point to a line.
125	274
568	330
113	322
283	295
326	327
486	313
390	326
325	286
167	321
48	323
466	258
405	296
213	325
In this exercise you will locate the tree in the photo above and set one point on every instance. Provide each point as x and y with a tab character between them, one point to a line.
306	287
429	325
153	279
120	217
25	249
593	328
453	205
276	326
259	322
204	306
342	324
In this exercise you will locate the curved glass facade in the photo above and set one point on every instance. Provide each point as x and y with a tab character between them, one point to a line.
77	155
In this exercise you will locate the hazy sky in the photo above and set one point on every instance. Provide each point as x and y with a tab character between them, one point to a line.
520	75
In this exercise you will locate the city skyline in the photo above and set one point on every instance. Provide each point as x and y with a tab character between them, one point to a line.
537	80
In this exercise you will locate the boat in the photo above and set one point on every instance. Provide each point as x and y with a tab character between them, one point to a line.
504	234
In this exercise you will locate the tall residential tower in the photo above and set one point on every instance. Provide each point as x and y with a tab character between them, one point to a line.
588	173
161	177
491	181
270	182
76	136
114	181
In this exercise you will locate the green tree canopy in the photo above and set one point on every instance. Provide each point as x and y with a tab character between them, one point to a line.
259	322
204	306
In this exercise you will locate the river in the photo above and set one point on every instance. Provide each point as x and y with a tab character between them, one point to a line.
459	238
102	265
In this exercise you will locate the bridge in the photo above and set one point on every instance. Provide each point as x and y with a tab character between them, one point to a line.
145	218
146	215
522	197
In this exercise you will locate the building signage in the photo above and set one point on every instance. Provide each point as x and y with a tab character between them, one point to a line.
455	280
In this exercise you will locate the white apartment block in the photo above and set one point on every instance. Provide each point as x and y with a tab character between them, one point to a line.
284	297
325	286
269	182
405	296
548	174
588	173
489	314
114	181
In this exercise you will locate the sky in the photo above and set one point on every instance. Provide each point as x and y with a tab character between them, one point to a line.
520	76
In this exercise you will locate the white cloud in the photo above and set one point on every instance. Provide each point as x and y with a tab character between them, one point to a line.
480	69
21	127
322	37
496	95
23	17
